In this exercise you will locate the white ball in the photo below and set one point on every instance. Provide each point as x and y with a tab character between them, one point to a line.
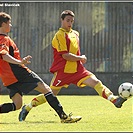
125	90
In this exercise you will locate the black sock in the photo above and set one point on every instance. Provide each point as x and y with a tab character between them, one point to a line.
7	107
54	103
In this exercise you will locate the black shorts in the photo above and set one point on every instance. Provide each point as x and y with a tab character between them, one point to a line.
25	86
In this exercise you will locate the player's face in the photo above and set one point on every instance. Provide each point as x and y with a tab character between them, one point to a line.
67	23
7	26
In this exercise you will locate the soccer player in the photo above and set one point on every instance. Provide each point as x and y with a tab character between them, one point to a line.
67	65
19	79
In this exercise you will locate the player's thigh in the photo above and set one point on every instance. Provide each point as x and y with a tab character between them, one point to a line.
43	88
56	91
17	100
91	81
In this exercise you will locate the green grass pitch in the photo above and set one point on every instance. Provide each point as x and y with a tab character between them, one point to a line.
97	114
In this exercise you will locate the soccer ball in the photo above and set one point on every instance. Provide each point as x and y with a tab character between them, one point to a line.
125	90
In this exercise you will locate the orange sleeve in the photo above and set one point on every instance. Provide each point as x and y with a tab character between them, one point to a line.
3	49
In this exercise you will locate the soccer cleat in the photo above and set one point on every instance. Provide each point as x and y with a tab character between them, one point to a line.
71	119
119	102
23	114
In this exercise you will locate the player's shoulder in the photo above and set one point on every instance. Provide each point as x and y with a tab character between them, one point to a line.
60	33
76	32
3	38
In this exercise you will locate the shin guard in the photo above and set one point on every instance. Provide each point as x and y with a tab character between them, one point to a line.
103	91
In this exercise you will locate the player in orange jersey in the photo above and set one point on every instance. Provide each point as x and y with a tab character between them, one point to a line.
19	79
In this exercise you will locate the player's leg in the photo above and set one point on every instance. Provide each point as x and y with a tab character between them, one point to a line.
51	99
15	105
53	102
47	95
56	91
101	89
70	118
39	99
17	100
104	91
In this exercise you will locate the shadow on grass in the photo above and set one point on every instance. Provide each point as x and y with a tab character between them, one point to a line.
9	123
26	122
41	122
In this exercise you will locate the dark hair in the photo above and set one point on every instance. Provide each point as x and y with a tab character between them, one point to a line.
4	17
67	12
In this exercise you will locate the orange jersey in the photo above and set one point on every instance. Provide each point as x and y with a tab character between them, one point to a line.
65	42
10	73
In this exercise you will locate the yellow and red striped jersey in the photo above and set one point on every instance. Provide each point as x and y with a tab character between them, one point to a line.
65	42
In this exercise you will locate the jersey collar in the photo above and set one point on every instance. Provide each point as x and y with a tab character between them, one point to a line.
65	30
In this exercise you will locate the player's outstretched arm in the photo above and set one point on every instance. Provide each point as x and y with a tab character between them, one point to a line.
73	57
10	59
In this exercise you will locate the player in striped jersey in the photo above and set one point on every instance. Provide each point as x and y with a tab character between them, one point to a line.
68	63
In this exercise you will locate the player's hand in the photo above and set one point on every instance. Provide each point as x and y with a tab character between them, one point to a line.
84	59
26	60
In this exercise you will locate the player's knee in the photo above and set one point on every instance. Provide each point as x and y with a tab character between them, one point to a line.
43	88
56	91
98	82
18	105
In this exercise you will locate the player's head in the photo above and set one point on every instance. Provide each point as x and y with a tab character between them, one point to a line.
66	13
5	21
67	19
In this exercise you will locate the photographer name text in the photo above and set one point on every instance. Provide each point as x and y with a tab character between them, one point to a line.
7	4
